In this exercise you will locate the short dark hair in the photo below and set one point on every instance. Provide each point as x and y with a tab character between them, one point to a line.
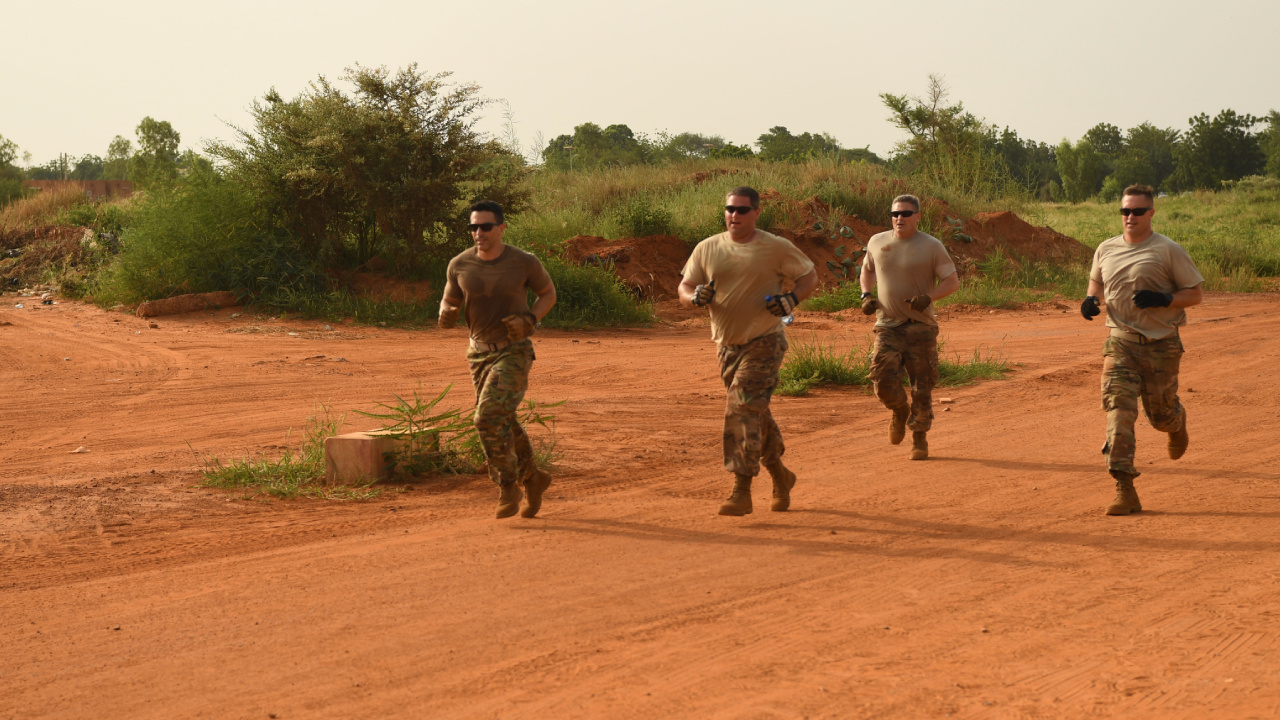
487	206
911	200
746	192
1145	190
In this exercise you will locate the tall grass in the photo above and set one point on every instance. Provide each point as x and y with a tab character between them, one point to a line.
40	209
1233	235
816	362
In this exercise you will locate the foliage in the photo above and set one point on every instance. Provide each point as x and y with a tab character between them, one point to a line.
295	473
1146	158
1269	139
640	217
202	235
116	165
779	145
1217	150
1031	164
589	296
947	148
156	162
816	362
834	299
1082	170
592	147
396	161
445	441
42	208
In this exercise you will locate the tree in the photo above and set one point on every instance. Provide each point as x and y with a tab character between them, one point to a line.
116	166
1270	141
1031	164
351	173
592	147
947	144
1216	150
1106	139
1081	168
1147	157
684	146
156	161
10	175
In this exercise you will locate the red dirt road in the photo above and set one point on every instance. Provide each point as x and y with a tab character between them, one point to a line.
985	582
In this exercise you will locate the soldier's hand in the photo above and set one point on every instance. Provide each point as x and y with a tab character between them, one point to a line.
520	325
1089	308
1151	299
448	317
703	293
920	302
869	304
781	305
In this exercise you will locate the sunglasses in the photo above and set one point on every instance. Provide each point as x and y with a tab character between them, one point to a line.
1134	211
903	213
739	209
483	227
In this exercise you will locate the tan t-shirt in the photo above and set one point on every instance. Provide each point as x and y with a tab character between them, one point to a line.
744	273
905	269
1156	263
494	289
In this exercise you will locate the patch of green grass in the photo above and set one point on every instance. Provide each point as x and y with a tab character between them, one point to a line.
295	473
834	299
337	305
818	362
588	297
1233	235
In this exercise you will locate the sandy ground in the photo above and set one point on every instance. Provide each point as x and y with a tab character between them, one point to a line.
985	582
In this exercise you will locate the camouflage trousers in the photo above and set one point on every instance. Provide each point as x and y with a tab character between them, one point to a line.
750	374
910	348
501	378
1132	370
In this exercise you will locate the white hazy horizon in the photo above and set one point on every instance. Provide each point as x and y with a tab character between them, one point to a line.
75	74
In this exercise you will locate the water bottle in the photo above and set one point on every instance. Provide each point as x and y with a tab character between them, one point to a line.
786	319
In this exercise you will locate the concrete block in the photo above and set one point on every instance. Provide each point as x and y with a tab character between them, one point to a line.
355	456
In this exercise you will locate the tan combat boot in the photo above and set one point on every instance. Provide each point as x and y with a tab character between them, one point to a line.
1126	497
1178	440
898	426
509	499
919	445
783	481
739	502
536	484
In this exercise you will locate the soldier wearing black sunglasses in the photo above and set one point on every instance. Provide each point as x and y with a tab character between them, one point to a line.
739	276
492	279
909	270
1144	280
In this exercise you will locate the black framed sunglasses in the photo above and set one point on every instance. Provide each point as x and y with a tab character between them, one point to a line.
903	213
738	209
483	227
1134	211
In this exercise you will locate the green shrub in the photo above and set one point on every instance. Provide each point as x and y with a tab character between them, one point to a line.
815	362
588	296
640	217
203	235
848	295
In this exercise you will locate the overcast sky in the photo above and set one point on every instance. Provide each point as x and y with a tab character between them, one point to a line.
74	74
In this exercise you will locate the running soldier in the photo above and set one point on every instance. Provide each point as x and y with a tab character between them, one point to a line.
1144	280
739	275
909	270
492	279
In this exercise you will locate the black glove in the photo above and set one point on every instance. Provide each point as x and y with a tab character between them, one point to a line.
869	304
1151	299
1089	308
920	302
703	294
781	305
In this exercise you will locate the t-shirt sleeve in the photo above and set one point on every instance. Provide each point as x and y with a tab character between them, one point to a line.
451	287
943	266
1095	270
1182	269
694	270
795	263
539	278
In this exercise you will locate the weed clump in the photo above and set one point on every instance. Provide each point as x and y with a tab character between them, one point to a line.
814	363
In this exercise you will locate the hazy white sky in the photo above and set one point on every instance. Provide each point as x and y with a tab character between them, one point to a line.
74	74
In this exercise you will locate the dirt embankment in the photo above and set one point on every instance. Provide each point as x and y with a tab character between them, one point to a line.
650	266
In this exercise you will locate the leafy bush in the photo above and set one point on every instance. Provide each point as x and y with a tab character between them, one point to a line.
588	296
203	235
841	297
639	217
814	363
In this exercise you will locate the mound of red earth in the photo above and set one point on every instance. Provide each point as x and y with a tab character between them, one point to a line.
650	266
